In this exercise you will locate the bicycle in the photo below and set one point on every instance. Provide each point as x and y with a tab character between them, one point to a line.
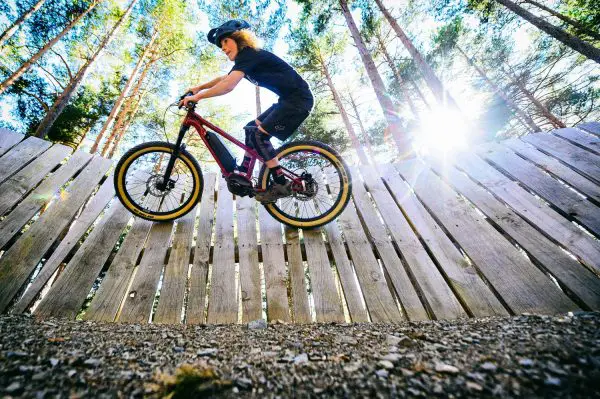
147	183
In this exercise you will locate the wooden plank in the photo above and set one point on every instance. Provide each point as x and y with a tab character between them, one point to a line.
17	186
463	277
20	155
534	211
8	139
348	279
378	298
21	258
110	295
76	231
545	186
199	273
590	127
581	160
442	301
581	281
553	166
68	293
223	297
580	137
523	287
274	267
248	259
328	306
172	293
300	306
391	262
140	297
39	197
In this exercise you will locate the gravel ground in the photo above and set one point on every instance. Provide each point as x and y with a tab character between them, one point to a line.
527	355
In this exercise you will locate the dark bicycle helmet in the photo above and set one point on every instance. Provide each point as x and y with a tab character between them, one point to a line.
215	35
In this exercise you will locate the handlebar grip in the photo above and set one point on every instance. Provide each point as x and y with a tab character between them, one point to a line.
189	93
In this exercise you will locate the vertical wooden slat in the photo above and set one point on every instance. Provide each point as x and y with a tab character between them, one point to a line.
199	272
523	287
553	165
248	254
223	298
581	160
300	306
461	275
17	186
8	139
76	231
67	294
532	210
20	155
378	298
140	297
438	294
545	186
21	258
274	267
393	264
568	271
39	197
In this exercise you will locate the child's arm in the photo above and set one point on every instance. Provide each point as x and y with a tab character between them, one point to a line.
207	85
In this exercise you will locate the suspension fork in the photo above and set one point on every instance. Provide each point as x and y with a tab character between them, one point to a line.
178	147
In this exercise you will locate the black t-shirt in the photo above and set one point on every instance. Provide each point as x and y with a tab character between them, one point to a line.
265	69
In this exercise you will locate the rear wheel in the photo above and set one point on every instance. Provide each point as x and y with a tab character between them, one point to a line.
139	184
325	187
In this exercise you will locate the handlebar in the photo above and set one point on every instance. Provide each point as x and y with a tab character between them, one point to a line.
191	104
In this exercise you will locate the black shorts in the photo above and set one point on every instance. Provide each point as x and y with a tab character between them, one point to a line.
282	119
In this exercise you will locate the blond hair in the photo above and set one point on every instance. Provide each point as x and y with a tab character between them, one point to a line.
245	38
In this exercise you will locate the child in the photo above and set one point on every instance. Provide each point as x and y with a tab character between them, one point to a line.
264	69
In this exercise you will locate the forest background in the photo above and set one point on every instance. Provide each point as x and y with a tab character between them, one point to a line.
388	75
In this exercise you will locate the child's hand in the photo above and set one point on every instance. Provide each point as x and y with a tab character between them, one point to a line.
193	90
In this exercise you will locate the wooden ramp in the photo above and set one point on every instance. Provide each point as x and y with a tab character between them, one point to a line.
512	227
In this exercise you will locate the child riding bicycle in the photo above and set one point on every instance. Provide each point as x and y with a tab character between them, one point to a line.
264	69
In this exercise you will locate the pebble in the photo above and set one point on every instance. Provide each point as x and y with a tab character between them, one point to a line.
488	366
446	368
473	386
13	389
91	362
382	373
392	357
301	359
243	383
386	364
259	324
526	362
346	339
392	340
552	381
207	352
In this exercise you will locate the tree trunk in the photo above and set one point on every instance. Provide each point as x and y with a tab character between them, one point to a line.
121	99
83	136
7	34
419	92
362	127
258	110
522	116
541	107
25	67
389	111
362	157
431	79
575	24
559	34
62	101
125	126
396	73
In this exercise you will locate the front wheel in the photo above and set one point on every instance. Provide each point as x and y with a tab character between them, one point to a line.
140	186
323	188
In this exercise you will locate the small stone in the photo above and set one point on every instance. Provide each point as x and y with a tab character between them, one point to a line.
209	352
71	373
244	383
13	389
269	354
526	362
348	340
382	373
259	324
392	340
301	359
552	381
353	367
54	361
17	354
91	362
386	364
39	376
407	372
446	368
473	386
488	366
178	349
438	388
392	357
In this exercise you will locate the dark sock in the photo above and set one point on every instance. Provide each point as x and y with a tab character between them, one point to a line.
245	165
278	176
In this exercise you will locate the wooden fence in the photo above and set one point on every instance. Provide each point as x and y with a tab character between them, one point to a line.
512	227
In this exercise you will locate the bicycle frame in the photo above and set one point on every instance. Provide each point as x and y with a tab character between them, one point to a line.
192	119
